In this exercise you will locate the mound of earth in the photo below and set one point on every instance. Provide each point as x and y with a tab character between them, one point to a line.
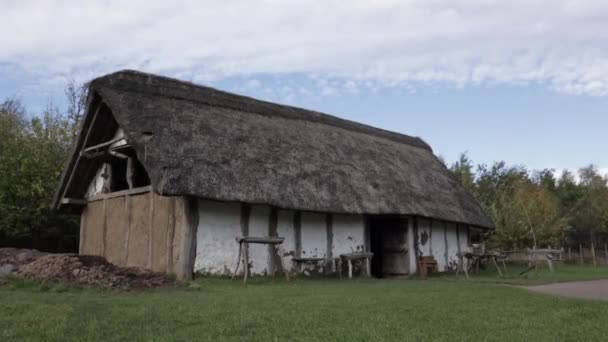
81	270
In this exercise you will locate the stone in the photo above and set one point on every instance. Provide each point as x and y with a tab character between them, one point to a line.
7	269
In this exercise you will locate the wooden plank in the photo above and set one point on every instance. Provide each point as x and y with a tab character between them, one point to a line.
115	230
103	239
416	244
445	240
244	221
330	237
170	235
150	228
83	231
128	227
297	229
120	193
138	230
266	240
160	228
84	143
74	201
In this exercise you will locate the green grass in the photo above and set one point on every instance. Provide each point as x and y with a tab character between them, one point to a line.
304	310
541	276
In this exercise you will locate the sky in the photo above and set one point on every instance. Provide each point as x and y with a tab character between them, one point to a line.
521	81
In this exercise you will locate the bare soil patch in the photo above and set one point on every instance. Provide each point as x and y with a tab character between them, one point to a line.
81	270
592	289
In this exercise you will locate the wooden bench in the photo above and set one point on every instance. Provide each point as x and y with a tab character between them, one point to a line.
308	261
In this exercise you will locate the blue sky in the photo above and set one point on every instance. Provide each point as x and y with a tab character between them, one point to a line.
525	82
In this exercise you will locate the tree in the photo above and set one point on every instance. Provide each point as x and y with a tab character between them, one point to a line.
32	155
463	170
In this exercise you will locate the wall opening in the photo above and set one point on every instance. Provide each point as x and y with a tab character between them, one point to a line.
388	242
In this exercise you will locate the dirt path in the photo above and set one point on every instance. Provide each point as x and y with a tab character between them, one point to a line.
593	289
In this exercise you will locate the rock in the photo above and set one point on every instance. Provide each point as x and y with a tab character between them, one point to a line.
76	272
7	269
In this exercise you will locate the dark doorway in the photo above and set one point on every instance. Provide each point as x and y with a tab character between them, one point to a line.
388	242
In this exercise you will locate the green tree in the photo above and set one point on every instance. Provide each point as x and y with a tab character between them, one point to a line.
32	155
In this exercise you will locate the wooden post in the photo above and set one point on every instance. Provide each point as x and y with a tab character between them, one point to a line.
150	229
350	269
246	265
128	232
580	252
238	261
605	253
497	267
593	253
297	230
569	254
368	266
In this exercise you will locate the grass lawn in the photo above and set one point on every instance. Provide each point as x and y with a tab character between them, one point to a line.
541	276
439	309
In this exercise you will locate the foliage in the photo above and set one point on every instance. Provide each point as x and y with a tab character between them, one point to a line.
33	152
536	208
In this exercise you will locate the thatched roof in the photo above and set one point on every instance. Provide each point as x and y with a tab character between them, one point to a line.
202	142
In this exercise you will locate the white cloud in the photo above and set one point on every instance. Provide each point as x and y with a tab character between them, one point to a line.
559	43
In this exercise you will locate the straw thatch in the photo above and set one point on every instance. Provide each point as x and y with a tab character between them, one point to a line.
201	142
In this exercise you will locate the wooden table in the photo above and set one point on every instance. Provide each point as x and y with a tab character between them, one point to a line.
475	259
244	242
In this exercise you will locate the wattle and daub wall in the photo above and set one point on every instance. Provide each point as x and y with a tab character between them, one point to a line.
179	236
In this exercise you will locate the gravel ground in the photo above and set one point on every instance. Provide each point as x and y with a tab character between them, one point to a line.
593	289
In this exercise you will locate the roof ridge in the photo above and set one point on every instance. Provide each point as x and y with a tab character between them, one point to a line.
225	99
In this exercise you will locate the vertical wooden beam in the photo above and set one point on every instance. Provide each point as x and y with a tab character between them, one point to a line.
245	215
83	231
329	230
446	252
329	224
170	235
192	212
416	244
297	229
431	237
367	234
128	232
458	237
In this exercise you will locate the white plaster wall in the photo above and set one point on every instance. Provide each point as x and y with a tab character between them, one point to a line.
285	230
96	185
452	246
218	226
258	227
438	244
314	235
424	227
348	234
464	237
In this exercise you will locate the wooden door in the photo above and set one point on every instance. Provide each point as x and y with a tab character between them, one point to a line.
395	259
